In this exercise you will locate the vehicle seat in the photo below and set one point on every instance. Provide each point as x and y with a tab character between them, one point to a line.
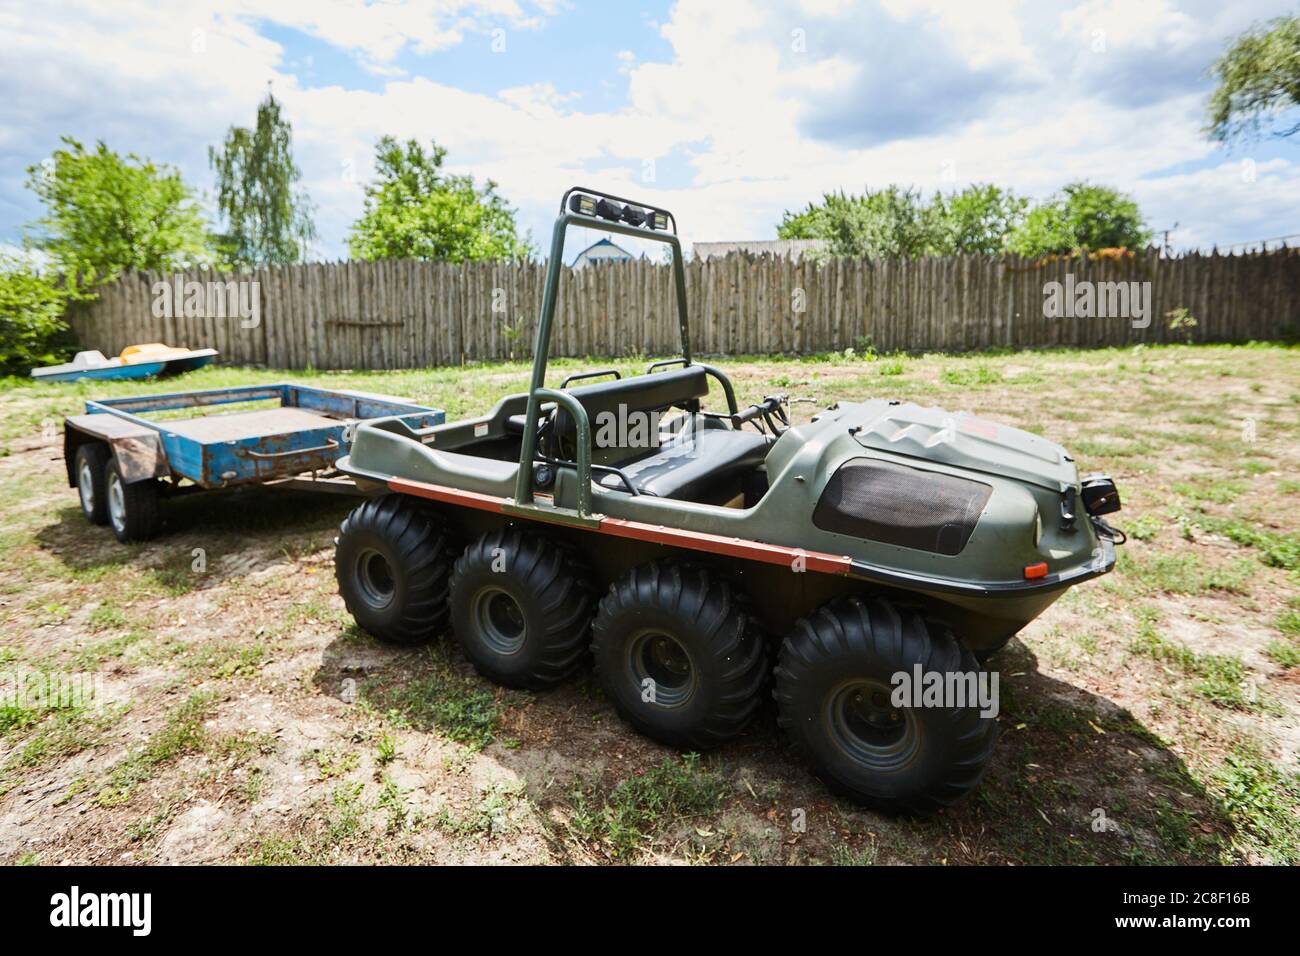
689	455
677	388
688	464
641	393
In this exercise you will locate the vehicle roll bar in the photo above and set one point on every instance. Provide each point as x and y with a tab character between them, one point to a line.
537	390
524	481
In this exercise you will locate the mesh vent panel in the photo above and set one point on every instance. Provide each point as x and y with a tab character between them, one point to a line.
895	504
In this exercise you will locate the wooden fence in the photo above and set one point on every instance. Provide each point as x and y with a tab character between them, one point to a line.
407	314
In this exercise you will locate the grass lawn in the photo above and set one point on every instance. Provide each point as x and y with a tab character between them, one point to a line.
1152	716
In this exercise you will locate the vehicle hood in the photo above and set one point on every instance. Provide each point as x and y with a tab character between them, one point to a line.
961	440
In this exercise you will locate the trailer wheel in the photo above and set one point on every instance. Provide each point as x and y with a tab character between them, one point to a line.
393	562
521	608
679	654
834	682
134	511
89	465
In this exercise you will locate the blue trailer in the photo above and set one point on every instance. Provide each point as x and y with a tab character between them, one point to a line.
125	454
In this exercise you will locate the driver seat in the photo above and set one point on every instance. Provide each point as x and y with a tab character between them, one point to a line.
701	456
702	453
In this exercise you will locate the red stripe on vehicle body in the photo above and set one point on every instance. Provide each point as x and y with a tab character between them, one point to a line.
470	499
817	561
731	547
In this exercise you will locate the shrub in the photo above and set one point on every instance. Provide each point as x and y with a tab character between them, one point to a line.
32	330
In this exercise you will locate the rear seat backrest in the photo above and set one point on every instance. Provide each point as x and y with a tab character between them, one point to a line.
641	393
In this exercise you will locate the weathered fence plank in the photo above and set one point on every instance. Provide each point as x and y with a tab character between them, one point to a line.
417	314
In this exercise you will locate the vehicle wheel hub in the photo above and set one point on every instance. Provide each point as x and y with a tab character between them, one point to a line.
659	658
500	620
116	502
86	487
375	578
869	729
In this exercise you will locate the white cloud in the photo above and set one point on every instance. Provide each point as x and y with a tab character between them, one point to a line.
765	106
985	33
1143	25
1232	200
380	31
537	100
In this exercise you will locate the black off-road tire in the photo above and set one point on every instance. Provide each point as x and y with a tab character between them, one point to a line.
393	563
521	607
134	510
88	467
830	678
679	654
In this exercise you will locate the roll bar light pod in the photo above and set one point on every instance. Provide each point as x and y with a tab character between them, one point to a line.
612	211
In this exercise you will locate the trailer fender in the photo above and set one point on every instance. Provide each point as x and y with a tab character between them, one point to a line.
138	450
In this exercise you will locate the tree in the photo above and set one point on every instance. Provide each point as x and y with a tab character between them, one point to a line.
1081	216
898	222
268	221
32	331
1258	76
105	213
886	222
976	220
415	211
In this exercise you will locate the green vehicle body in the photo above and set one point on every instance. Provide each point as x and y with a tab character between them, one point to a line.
704	567
982	591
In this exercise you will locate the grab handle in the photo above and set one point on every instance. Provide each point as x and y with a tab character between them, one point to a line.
266	455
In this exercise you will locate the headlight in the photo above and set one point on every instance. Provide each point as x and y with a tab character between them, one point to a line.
617	212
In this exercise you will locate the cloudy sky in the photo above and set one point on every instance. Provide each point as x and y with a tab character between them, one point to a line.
726	112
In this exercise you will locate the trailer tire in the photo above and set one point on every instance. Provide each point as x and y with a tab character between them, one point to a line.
833	683
393	564
521	607
89	466
134	511
679	654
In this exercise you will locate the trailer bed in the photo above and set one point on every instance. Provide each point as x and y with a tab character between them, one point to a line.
238	426
305	430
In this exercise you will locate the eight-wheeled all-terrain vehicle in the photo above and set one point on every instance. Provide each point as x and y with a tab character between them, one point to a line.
696	555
